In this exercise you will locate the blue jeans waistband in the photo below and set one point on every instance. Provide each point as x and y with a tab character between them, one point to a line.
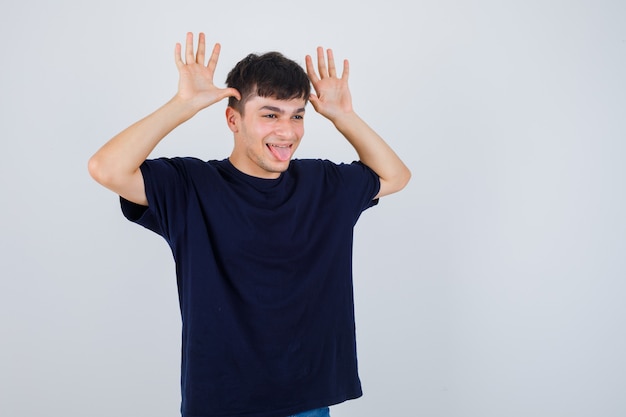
319	412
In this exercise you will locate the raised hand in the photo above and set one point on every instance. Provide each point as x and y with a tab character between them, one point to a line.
195	83
332	96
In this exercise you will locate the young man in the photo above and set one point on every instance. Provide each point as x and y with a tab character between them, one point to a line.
262	242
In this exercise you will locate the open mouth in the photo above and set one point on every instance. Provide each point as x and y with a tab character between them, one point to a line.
281	152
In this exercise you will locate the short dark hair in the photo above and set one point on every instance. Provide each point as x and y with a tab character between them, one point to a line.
267	75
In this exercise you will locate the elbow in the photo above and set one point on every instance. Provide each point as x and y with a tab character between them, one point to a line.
94	168
407	178
394	183
98	171
403	179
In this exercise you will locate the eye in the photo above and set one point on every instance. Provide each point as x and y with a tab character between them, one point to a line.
298	117
270	116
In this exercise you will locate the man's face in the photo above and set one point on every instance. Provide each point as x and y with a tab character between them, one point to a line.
267	135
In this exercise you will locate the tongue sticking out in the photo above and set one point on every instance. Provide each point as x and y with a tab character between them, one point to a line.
282	153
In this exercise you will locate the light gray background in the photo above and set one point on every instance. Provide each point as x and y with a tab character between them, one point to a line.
493	285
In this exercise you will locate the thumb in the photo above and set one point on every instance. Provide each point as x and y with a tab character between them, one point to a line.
233	92
229	92
315	101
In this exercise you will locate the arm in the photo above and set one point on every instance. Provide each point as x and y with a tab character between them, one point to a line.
116	164
333	101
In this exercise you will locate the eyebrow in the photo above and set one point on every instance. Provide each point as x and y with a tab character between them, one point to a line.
281	111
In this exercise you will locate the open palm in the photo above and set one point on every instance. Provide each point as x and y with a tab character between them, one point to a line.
332	98
195	82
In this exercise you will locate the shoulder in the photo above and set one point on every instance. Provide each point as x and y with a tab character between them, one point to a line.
178	161
351	175
178	166
304	165
355	168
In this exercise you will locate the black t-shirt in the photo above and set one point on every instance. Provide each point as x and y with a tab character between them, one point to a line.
264	274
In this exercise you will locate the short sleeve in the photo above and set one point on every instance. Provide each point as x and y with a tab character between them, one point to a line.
361	184
166	186
139	214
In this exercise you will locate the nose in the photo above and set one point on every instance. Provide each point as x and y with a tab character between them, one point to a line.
285	129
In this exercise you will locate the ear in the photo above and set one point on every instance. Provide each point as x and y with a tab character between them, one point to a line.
232	119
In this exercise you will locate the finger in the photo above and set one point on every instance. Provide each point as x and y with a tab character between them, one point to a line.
332	72
189	48
215	54
201	49
232	92
177	58
314	100
311	70
346	70
321	62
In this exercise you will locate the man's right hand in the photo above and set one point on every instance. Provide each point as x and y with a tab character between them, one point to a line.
195	84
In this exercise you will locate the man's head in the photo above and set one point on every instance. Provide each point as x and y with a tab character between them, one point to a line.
268	121
268	75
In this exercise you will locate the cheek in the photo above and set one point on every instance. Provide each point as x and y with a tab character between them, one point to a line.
254	134
261	130
299	131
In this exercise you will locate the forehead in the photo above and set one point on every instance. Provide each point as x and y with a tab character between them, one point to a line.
257	103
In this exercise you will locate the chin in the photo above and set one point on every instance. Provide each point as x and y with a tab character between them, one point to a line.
273	168
281	166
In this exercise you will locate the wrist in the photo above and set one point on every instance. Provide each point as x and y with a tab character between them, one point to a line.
345	119
182	108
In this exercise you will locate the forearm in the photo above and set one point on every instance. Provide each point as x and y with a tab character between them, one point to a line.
374	152
122	156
